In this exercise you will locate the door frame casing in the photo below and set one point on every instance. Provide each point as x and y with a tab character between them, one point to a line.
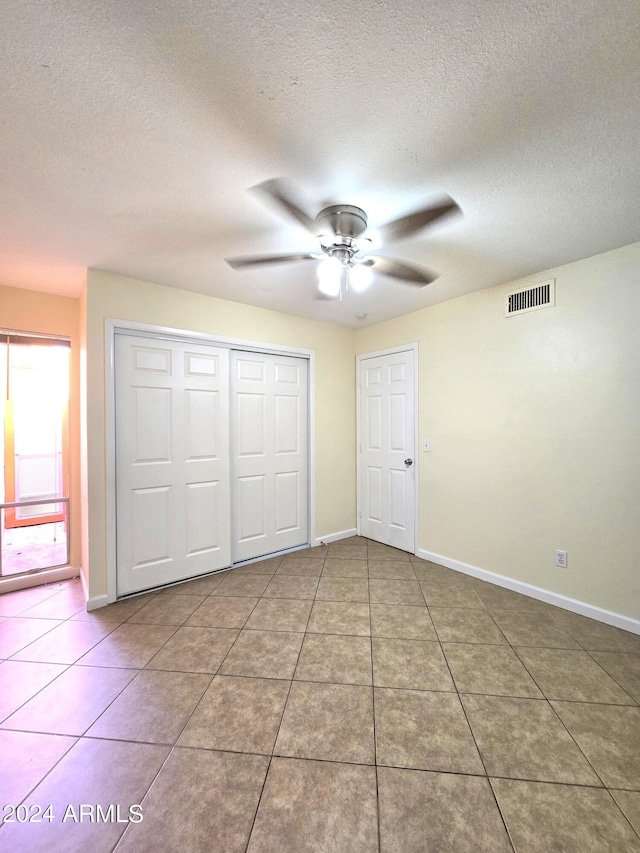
113	326
414	349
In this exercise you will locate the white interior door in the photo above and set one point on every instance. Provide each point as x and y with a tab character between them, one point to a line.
386	469
172	461
269	453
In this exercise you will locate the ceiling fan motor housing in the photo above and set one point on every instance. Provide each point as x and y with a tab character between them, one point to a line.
343	220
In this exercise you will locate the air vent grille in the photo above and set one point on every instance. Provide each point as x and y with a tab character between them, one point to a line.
541	295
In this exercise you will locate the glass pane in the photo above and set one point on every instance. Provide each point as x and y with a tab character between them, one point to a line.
36	546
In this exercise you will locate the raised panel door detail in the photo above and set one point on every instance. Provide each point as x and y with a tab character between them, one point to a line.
250	370
374	501
251	424
200	365
397	422
152	516
154	360
287	501
152	424
252	507
201	418
374	423
373	376
201	517
288	374
397	373
287	421
398	489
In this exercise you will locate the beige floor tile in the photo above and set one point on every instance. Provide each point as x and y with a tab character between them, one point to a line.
62	605
425	731
623	668
422	811
377	551
339	617
263	654
347	551
71	703
280	614
411	664
167	610
128	646
392	570
498	598
411	622
573	675
629	803
524	739
153	708
66	643
19	632
117	612
260	567
465	625
596	636
213	798
394	592
450	595
335	658
543	817
301	567
290	586
21	680
93	772
194	649
609	735
343	589
532	629
15	603
223	612
238	715
494	670
242	584
312	806
198	586
333	722
25	759
337	568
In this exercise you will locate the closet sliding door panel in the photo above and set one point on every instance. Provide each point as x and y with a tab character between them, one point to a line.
173	513
269	453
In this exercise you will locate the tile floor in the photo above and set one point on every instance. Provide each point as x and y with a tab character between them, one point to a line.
349	698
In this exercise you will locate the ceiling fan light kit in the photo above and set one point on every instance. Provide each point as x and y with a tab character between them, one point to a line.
340	229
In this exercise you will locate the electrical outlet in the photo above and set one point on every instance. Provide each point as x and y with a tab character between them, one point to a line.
561	559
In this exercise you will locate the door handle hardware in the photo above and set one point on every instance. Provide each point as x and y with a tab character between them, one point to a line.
408	462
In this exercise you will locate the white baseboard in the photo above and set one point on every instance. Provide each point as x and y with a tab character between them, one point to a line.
96	601
574	605
334	537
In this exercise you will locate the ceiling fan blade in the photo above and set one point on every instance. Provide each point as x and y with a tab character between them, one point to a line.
416	221
399	269
260	260
281	191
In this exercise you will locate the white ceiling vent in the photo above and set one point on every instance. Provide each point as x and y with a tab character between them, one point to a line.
541	295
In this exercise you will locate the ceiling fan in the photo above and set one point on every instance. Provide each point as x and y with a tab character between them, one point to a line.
340	230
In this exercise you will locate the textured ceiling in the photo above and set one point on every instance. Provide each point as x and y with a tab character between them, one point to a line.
129	132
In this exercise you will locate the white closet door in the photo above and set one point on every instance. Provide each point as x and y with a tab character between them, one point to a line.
269	453
172	461
387	448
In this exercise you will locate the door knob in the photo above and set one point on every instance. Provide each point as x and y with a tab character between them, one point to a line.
408	462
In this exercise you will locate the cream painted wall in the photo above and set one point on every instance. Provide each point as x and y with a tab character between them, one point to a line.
31	311
118	298
534	423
